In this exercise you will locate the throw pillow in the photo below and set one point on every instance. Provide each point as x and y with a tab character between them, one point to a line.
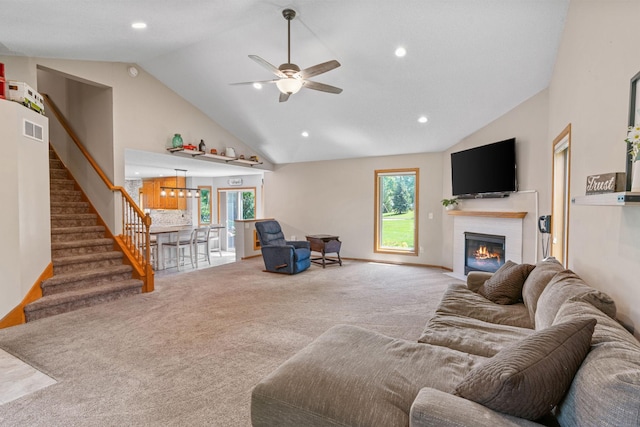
529	378
505	286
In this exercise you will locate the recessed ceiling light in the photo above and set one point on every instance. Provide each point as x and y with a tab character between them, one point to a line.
400	52
139	25
257	85
136	173
305	134
423	119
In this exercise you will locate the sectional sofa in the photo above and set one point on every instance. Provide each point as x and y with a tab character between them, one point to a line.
529	345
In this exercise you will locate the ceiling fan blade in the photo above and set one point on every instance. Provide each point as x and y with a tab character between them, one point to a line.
318	69
268	66
284	97
321	87
254	82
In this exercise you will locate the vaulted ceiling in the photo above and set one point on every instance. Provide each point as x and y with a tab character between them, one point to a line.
467	63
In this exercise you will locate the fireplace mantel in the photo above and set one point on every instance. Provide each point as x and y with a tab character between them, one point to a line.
488	214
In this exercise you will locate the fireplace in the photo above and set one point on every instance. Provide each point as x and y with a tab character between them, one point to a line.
483	252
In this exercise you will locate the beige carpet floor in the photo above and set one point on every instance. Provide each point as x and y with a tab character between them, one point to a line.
191	352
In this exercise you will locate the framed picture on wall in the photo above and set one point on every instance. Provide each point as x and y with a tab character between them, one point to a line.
634	118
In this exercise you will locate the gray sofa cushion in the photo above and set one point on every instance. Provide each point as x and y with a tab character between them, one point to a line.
567	285
606	389
537	280
471	335
435	408
352	376
505	285
460	301
530	377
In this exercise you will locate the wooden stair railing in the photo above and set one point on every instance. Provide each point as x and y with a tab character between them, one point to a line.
134	240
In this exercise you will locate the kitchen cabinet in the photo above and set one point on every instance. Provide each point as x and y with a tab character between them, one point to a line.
152	199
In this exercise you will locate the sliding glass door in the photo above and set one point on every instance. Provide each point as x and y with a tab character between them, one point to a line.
235	203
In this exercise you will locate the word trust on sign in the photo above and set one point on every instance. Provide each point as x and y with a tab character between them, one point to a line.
606	183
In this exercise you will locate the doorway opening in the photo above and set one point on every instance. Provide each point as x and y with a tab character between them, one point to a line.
560	195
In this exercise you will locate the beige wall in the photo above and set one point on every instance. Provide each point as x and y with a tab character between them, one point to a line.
24	217
146	115
590	89
337	197
528	124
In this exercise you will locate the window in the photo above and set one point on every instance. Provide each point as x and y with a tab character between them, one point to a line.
396	211
204	205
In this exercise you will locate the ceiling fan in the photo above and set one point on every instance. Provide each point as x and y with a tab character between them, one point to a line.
290	78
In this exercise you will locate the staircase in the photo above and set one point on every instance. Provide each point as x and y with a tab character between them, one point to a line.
86	268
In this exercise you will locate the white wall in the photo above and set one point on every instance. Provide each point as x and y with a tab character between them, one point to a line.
24	219
528	124
337	197
590	89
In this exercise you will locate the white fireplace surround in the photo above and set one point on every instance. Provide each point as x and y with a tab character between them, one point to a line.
507	224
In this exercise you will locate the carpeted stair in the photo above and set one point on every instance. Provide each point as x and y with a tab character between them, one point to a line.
86	268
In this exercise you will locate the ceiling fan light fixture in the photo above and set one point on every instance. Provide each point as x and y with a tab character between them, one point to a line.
289	85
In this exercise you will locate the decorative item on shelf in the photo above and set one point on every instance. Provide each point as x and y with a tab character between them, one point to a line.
214	151
612	182
24	94
633	142
450	204
241	156
176	142
202	147
230	152
190	147
254	159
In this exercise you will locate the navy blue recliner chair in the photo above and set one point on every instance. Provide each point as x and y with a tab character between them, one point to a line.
280	255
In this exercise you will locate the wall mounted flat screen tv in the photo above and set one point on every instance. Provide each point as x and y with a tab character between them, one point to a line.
485	171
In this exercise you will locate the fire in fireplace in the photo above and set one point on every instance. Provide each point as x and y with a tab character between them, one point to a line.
483	252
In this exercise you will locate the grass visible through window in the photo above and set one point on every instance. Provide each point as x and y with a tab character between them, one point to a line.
397	230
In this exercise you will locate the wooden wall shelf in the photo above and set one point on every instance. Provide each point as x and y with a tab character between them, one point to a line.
201	155
487	214
625	198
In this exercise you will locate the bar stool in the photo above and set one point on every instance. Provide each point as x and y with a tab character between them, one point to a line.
214	237
200	238
176	247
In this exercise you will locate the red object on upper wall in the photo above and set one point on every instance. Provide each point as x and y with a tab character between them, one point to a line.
3	83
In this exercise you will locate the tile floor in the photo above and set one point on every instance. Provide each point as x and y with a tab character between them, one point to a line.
18	379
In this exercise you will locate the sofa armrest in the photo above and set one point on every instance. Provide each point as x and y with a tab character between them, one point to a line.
475	279
436	408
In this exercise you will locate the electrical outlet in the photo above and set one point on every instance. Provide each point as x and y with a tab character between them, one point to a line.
430	216
421	249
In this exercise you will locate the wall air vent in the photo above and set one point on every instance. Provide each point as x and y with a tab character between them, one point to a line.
32	130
